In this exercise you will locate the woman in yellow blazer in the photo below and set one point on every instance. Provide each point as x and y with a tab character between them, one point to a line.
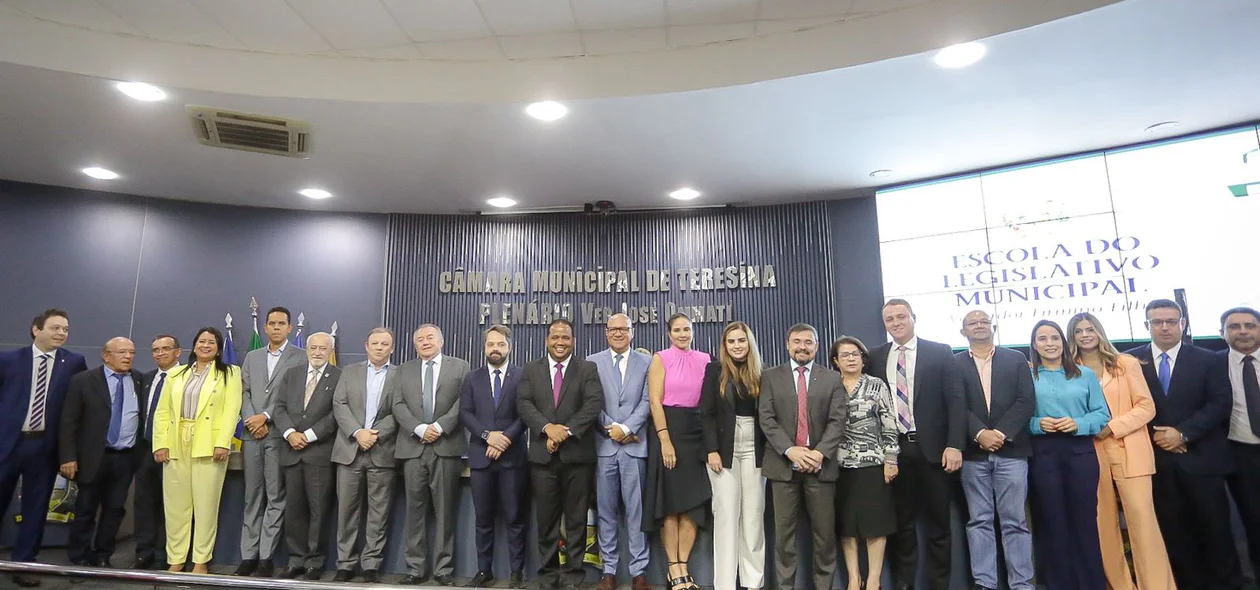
192	434
1127	461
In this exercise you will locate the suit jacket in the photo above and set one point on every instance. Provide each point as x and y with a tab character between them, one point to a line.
581	400
717	414
409	408
1197	404
85	421
625	401
1011	407
349	408
1132	407
826	403
15	395
479	414
150	411
257	394
940	406
218	412
317	416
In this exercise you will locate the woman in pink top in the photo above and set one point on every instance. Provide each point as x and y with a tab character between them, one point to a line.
677	496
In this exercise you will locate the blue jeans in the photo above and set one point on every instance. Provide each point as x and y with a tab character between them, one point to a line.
998	486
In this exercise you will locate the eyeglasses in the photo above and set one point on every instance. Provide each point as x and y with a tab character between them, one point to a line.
855	354
617	330
1163	323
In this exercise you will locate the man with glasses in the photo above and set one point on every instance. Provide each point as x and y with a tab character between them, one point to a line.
1000	402
150	520
622	449
1192	456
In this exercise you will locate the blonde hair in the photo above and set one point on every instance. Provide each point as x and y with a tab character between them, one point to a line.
1106	350
747	373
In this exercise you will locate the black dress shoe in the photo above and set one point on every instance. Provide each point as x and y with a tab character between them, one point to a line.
314	573
247	567
413	580
481	579
26	581
266	569
443	580
343	576
142	563
291	573
371	576
979	587
516	580
105	563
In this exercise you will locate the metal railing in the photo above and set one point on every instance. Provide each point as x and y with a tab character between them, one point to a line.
163	578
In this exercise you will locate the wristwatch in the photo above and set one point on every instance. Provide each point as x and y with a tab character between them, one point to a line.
485	435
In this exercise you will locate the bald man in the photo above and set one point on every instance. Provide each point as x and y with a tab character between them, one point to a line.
100	425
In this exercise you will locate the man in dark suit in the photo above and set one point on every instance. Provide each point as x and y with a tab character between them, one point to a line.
100	424
33	385
1000	402
1192	456
150	517
1240	327
932	416
800	457
431	444
303	401
560	398
496	456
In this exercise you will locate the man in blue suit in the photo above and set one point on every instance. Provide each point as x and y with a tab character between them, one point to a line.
622	449
33	385
1192	456
496	456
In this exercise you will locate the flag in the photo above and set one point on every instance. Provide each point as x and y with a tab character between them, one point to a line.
229	358
256	341
298	340
332	358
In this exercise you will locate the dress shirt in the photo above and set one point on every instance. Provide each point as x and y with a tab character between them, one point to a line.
1080	399
809	370
375	388
625	358
564	370
130	409
490	369
30	404
437	371
1239	418
192	391
319	374
153	400
274	357
1172	357
912	347
984	366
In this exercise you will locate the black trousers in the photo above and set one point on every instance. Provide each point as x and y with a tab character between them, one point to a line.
1193	514
150	518
310	492
500	493
561	489
922	488
1244	486
106	493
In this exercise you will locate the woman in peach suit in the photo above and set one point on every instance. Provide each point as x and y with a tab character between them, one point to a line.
1127	461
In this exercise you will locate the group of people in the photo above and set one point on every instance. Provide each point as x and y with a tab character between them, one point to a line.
861	445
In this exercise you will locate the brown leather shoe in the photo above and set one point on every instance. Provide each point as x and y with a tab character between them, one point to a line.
607	582
639	583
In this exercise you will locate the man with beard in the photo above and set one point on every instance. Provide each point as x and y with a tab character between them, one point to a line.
1240	327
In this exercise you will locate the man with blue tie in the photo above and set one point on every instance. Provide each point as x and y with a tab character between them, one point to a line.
622	449
1192	396
150	519
100	425
33	384
496	456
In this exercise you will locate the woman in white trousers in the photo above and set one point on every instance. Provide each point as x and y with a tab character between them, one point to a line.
728	408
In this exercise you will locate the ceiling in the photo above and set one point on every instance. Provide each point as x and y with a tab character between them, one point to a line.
1093	80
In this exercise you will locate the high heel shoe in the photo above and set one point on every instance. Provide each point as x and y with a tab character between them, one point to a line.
679	582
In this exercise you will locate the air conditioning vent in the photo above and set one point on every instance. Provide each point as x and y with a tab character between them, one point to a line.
251	133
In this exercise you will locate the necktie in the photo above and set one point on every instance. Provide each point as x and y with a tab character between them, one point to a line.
428	392
621	375
157	394
1251	390
115	413
1165	371
556	382
802	410
498	387
41	395
311	380
903	392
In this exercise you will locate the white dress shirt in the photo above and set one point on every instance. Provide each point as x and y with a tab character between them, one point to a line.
1239	419
437	372
625	359
912	347
30	404
319	374
1172	357
564	371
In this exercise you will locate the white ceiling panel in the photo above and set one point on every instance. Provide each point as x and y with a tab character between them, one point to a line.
704	12
264	25
351	25
174	20
82	13
528	17
776	9
484	49
625	41
886	5
408	51
542	46
791	25
696	35
595	15
439	20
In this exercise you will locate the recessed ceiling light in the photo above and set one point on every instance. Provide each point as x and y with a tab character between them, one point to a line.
315	193
881	173
960	55
1163	127
100	173
501	202
141	91
685	194
547	110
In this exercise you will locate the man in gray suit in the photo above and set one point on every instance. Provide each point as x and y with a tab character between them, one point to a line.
264	477
622	449
304	397
430	445
800	457
364	454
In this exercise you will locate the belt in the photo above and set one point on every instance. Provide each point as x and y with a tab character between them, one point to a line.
910	437
32	434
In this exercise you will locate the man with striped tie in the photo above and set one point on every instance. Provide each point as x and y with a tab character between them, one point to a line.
932	416
33	384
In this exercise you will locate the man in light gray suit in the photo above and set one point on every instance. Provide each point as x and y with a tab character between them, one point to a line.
800	457
261	446
364	454
431	444
304	399
622	449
